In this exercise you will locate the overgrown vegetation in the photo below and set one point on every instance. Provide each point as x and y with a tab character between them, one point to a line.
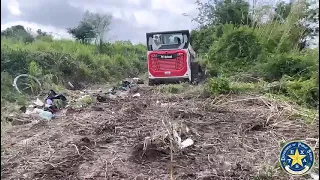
57	62
234	40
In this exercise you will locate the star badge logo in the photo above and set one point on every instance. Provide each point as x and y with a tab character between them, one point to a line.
296	158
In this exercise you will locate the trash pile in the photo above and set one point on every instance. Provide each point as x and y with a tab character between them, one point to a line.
48	110
54	102
127	86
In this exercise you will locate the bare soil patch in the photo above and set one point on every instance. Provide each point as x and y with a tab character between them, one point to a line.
233	140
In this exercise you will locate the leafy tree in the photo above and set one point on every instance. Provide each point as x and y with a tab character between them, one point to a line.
84	32
203	38
223	12
282	10
18	32
94	26
44	36
312	17
42	33
100	24
302	16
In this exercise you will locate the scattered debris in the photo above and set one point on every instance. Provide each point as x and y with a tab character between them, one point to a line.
23	109
136	95
71	85
126	85
38	102
111	96
186	143
101	98
33	111
46	115
138	80
48	110
314	176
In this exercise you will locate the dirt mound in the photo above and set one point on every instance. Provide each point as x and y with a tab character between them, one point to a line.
126	139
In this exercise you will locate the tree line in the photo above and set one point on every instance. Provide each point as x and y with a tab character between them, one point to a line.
271	43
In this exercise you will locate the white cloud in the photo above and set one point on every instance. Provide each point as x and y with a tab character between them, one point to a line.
145	18
58	33
136	2
13	7
176	7
132	18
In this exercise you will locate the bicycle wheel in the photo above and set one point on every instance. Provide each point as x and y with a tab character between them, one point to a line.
27	84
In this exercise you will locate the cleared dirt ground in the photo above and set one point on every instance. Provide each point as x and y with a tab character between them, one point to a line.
234	138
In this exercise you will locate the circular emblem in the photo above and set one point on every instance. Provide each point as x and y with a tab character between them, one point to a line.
296	158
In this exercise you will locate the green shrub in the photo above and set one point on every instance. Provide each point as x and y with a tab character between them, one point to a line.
277	65
35	69
219	85
173	88
304	92
203	39
235	51
244	87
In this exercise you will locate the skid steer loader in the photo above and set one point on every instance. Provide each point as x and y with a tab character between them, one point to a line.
171	58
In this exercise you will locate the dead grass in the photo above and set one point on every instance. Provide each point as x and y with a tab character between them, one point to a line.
235	137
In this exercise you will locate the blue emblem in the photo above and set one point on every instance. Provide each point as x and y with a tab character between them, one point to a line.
296	158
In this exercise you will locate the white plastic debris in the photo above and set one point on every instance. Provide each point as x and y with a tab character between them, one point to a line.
71	85
111	96
34	111
164	104
123	94
46	115
38	102
167	104
84	96
187	129
136	95
186	143
314	176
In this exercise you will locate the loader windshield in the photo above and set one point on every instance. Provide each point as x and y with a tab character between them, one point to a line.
160	41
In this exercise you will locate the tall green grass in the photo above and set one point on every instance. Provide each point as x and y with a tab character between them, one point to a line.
56	62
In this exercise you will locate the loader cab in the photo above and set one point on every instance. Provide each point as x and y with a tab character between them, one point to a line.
169	56
168	40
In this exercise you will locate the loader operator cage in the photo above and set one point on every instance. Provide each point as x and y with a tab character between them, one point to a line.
168	40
